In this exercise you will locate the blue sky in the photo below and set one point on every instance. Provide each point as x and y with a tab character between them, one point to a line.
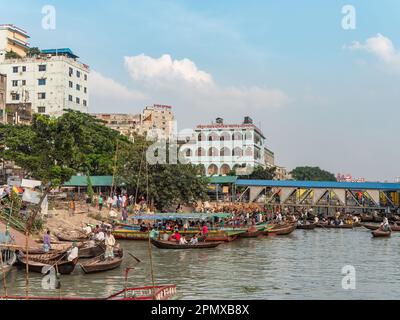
320	98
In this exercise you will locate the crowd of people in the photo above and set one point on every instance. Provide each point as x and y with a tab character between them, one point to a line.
99	234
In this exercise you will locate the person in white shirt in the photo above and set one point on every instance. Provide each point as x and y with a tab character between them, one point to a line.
109	202
194	240
73	253
100	236
87	230
110	243
182	240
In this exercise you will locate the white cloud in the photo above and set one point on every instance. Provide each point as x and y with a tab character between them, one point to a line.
181	82
103	87
164	69
382	47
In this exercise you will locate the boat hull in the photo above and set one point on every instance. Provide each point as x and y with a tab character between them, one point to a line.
380	234
96	265
172	245
166	292
307	226
330	226
280	231
36	265
91	252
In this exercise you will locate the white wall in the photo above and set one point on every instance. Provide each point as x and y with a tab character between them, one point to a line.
57	83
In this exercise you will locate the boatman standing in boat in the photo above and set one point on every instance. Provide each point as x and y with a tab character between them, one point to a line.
73	252
47	242
110	243
385	224
204	230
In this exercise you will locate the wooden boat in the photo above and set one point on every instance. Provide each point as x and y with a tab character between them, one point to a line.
62	236
175	245
39	251
8	259
165	292
334	226
366	217
99	264
218	237
310	226
395	227
89	251
380	233
281	230
251	233
4	270
371	226
36	265
128	234
47	256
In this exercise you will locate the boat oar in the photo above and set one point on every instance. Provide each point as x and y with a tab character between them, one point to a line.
46	269
137	259
323	227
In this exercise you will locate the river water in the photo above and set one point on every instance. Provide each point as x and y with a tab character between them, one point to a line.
304	265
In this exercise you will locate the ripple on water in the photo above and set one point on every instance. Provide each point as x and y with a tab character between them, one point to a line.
303	265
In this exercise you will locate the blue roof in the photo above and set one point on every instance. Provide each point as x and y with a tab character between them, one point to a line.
179	216
320	184
66	51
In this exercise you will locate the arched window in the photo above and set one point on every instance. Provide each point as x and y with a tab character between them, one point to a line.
248	136
212	136
200	152
225	152
188	152
225	136
249	152
237	136
237	152
212	170
201	137
213	152
225	169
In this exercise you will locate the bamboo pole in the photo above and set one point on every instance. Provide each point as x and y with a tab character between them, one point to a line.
137	184
4	275
151	268
114	168
26	265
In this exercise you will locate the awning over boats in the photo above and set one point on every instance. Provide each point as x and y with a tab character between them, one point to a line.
181	216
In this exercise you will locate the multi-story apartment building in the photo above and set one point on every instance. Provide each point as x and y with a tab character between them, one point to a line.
3	90
13	39
48	84
156	120
127	124
269	157
281	173
222	147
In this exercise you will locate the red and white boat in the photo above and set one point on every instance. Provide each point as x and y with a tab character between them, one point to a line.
166	292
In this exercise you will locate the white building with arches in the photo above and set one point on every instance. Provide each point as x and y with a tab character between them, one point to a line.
221	147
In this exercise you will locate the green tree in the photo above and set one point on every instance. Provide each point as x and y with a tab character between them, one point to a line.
258	173
34	51
165	185
312	174
12	55
54	149
90	191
